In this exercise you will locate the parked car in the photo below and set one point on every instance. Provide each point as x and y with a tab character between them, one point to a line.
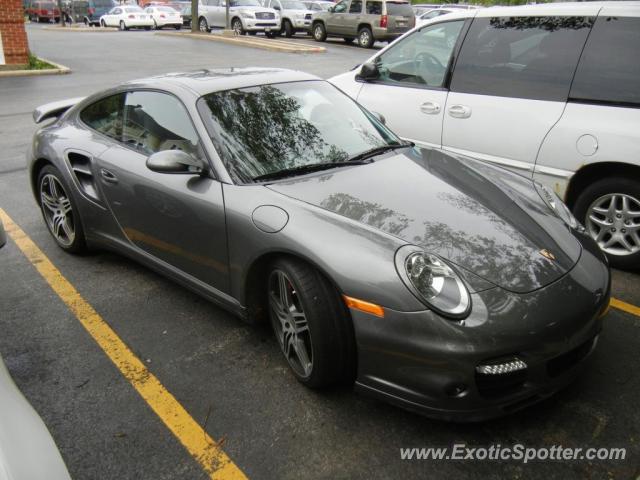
431	14
186	15
294	15
87	11
427	278
367	20
28	450
318	5
535	89
126	17
43	11
246	16
164	16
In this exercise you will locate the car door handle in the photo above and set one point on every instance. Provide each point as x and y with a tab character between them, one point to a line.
430	108
460	111
108	176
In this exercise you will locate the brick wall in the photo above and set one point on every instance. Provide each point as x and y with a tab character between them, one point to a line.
14	37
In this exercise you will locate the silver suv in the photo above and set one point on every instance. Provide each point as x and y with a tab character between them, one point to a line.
296	17
367	20
244	16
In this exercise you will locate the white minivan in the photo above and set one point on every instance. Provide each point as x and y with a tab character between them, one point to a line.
549	91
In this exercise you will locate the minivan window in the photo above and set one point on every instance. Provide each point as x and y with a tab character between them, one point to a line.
609	70
399	9
374	8
521	57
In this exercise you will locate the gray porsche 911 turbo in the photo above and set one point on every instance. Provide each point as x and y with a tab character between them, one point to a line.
430	280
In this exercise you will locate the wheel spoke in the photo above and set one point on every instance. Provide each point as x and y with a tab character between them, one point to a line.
300	322
57	225
285	298
600	236
612	241
301	352
599	221
53	188
65	205
66	227
48	202
625	243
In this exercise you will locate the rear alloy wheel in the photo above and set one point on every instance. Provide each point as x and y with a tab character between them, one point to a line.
237	27
311	324
365	37
59	211
288	29
319	32
610	210
203	25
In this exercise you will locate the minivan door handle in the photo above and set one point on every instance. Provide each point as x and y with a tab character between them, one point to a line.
460	111
108	176
430	108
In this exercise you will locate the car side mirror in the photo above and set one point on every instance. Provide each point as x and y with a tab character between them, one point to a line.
380	117
176	162
331	9
368	71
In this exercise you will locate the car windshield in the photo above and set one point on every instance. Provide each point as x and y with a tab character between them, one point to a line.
324	5
244	3
292	5
166	9
261	130
133	10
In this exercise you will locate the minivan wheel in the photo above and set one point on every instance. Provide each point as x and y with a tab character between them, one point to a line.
203	25
365	37
311	323
59	211
319	32
610	211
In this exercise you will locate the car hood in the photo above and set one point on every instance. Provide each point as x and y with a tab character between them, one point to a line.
484	219
254	9
297	12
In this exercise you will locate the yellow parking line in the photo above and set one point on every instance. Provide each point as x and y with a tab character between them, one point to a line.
192	436
625	307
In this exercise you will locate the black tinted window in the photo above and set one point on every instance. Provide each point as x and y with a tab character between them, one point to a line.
609	69
374	8
105	116
356	6
401	9
154	122
522	57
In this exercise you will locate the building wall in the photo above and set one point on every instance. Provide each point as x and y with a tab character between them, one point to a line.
14	38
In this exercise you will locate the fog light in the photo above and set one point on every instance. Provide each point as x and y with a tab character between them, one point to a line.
457	391
501	368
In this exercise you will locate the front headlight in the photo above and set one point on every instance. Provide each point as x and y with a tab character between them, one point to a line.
558	207
434	282
246	14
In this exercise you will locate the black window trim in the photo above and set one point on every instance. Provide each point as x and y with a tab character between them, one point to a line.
450	67
211	173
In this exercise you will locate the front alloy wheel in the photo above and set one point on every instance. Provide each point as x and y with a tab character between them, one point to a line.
203	25
319	32
237	27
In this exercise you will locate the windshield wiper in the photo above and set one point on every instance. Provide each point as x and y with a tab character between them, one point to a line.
313	167
378	150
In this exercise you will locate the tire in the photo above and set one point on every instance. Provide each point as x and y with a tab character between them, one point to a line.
102	24
270	34
155	26
203	26
348	40
87	23
319	32
315	319
618	227
178	27
288	29
365	37
66	229
236	26
123	26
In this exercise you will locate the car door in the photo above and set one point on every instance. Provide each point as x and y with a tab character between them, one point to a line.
335	18
178	220
111	18
411	90
352	18
510	86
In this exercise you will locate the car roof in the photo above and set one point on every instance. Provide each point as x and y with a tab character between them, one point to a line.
567	8
202	82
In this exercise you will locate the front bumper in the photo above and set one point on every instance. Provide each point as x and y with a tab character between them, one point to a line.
260	25
421	361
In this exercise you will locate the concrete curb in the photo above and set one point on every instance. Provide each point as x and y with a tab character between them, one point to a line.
59	70
81	29
265	44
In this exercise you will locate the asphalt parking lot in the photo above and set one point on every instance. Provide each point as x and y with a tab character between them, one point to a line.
230	377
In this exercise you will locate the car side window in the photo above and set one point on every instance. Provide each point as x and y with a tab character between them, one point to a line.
521	57
609	70
422	58
340	7
105	116
154	121
356	6
374	8
117	11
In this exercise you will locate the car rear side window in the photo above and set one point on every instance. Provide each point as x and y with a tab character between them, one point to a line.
399	9
609	70
521	57
374	8
105	116
356	6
